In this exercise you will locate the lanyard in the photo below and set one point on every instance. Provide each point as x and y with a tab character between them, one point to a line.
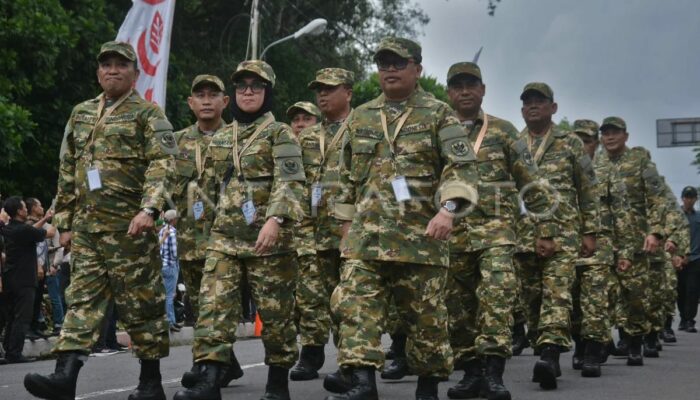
399	125
336	138
482	134
236	153
540	150
102	118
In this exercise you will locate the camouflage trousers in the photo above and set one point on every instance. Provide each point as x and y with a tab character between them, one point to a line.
272	280
670	289
360	301
630	304
318	276
481	291
546	289
191	271
112	266
655	295
591	307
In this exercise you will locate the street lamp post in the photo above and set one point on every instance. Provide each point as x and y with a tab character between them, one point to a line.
313	28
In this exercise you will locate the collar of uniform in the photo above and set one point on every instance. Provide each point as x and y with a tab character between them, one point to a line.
257	122
558	132
195	132
415	100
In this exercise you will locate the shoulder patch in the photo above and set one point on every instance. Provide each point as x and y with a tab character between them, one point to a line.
163	131
455	143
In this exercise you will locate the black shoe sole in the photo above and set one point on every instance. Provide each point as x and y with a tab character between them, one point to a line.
335	385
44	390
590	372
544	375
635	363
303	375
454	393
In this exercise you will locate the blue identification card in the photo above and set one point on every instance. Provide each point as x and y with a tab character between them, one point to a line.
198	210
248	209
94	180
401	191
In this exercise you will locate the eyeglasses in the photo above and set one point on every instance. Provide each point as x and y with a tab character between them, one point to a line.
399	64
256	87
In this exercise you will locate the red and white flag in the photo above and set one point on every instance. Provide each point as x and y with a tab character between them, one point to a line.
147	27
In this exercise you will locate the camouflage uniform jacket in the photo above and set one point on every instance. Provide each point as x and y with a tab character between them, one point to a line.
272	177
676	227
326	172
644	188
133	152
568	171
191	235
432	152
505	165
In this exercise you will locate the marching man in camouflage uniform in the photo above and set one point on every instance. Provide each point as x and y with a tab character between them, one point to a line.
645	194
547	270
482	282
115	168
253	170
320	273
302	115
407	155
593	280
207	102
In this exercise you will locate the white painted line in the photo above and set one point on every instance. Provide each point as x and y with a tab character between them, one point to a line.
130	388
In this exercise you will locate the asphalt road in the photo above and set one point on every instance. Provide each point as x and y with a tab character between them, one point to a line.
675	375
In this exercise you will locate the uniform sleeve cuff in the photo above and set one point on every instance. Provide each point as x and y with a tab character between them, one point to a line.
344	212
62	221
279	209
458	190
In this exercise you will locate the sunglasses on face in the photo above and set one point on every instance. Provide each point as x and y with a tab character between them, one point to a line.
256	87
399	64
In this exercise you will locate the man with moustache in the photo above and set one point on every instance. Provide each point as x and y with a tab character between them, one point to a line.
113	179
482	282
411	169
546	273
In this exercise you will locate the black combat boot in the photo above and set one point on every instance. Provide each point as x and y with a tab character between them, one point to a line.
659	346
579	350
277	387
232	371
59	385
520	341
634	358
606	350
472	382
191	377
547	367
363	386
650	349
669	335
398	368
339	381
310	361
427	388
207	386
622	348
493	388
396	339
150	387
591	359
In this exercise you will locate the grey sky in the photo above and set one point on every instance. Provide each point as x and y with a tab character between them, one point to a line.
637	59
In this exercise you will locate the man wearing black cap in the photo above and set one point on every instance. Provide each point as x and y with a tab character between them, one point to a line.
547	270
482	282
689	275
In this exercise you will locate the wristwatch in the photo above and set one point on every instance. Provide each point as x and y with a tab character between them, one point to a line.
151	212
277	219
450	206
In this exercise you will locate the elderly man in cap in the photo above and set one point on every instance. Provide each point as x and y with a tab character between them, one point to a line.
115	168
546	268
635	172
593	281
253	173
411	169
482	282
208	100
319	267
302	115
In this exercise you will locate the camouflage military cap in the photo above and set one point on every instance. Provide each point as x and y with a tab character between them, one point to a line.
689	192
332	77
586	126
214	80
539	87
124	49
616	122
304	106
463	68
257	67
402	47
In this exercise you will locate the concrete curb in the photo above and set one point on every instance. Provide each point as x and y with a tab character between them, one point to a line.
41	348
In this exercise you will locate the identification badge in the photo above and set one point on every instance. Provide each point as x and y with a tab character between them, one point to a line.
249	212
316	194
198	210
401	191
94	180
